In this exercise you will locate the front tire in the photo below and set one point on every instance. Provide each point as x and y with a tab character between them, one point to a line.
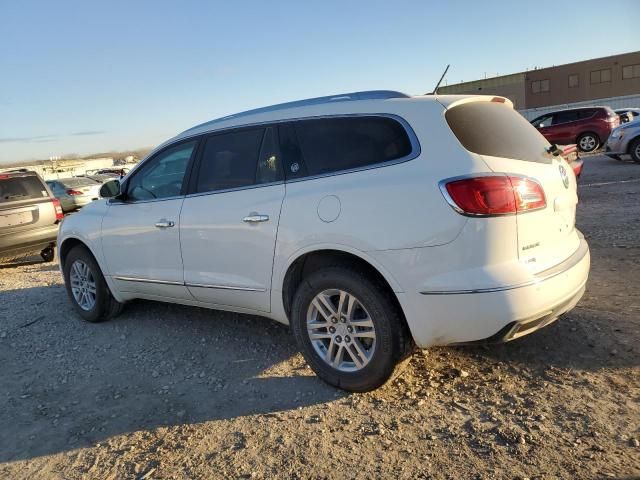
87	288
588	142
634	150
349	329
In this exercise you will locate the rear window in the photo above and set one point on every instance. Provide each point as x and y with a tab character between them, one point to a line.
77	182
14	189
492	128
334	144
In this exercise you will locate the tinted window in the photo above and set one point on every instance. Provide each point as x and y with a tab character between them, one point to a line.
290	151
334	144
588	113
161	176
15	189
565	117
544	121
269	169
491	128
230	160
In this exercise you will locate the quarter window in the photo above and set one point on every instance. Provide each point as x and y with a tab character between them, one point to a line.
344	143
630	71
163	175
235	159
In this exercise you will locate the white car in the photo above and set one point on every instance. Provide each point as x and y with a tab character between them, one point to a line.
369	222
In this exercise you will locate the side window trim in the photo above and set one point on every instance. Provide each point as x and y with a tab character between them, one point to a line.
416	151
187	174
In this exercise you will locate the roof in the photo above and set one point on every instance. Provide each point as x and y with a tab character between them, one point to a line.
342	97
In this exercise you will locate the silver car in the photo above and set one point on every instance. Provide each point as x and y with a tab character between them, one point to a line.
75	192
624	140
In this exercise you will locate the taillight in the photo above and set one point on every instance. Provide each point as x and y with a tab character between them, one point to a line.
494	195
71	191
58	208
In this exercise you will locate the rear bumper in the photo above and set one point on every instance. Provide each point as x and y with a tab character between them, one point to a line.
499	313
21	243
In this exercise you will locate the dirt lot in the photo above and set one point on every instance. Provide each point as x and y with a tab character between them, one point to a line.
176	392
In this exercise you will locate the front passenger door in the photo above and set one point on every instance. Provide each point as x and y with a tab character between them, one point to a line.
140	230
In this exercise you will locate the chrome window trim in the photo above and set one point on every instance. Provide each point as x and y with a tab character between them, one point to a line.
572	261
416	151
115	202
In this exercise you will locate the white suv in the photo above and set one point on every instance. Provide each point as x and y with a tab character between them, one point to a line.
370	222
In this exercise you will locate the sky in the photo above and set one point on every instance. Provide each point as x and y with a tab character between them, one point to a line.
85	77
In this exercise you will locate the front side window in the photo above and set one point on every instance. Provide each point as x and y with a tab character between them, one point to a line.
541	122
163	175
238	159
336	144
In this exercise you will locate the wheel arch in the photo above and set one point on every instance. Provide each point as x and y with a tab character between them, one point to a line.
306	262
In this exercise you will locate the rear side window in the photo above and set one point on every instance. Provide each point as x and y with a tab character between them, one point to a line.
14	189
588	113
334	144
492	128
238	158
565	117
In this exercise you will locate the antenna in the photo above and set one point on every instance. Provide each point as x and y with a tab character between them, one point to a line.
435	90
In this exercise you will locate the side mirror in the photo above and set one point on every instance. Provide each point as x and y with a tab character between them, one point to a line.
110	189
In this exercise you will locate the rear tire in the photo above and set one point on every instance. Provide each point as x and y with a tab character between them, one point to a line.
588	142
368	337
634	150
87	288
48	254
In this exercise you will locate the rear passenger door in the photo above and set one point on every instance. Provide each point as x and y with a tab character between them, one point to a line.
230	218
564	124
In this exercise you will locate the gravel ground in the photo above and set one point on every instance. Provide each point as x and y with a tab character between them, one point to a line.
166	391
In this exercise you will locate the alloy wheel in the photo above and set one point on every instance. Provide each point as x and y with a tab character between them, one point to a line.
341	330
83	285
588	143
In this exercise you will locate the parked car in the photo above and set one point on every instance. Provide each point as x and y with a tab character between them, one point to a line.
75	192
29	216
570	154
587	127
115	172
624	140
628	114
370	222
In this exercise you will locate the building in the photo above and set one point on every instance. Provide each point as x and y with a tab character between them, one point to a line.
612	81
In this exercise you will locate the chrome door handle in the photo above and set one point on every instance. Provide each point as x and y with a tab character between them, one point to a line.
165	224
255	218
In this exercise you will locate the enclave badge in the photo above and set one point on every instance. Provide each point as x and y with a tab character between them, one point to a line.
565	177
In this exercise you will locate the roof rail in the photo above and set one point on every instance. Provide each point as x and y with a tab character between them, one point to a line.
344	97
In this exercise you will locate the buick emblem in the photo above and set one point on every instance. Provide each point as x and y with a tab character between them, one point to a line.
564	176
295	167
